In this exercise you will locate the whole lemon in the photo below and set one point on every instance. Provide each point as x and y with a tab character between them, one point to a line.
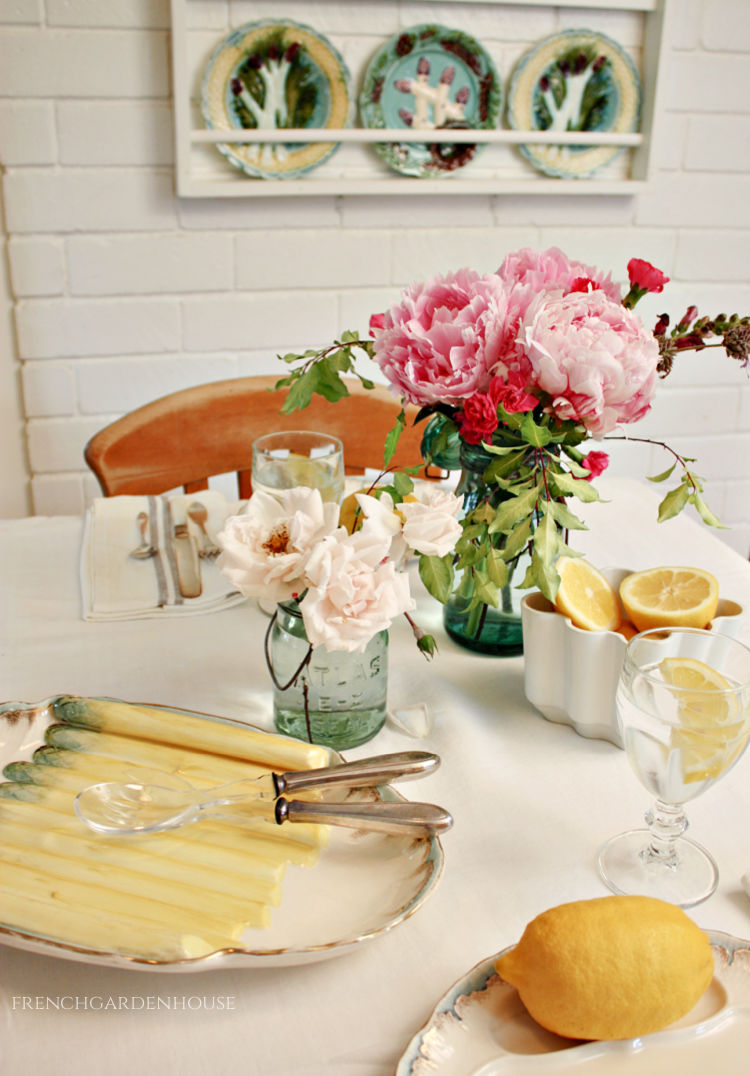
609	968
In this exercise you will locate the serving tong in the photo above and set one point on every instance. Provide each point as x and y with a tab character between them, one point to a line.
129	808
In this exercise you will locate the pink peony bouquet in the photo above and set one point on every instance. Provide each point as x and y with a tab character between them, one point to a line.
515	370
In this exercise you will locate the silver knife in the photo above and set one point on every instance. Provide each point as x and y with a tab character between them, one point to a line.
188	563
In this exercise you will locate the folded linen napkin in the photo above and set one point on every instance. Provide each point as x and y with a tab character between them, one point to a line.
117	587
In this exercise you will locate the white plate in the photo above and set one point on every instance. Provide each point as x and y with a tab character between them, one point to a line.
481	1028
363	885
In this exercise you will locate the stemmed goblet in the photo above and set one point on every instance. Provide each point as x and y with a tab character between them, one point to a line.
683	708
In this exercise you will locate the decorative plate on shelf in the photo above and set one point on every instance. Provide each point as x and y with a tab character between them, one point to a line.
576	80
276	75
481	1027
430	77
150	902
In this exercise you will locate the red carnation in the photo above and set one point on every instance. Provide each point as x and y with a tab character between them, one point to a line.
644	276
595	462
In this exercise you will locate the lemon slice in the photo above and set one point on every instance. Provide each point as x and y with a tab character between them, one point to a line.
586	597
670	597
713	732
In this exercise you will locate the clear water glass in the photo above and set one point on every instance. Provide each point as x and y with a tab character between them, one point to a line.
292	458
681	736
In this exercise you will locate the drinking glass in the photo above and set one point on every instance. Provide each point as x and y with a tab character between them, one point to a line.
291	458
683	708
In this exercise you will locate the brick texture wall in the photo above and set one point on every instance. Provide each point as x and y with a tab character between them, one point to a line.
121	292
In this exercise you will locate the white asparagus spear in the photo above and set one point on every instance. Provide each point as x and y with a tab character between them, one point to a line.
214	885
87	930
188	730
101	871
62	892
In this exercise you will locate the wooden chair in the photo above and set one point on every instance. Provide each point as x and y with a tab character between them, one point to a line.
187	437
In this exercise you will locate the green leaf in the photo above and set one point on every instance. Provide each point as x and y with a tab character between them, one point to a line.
328	382
505	465
517	539
391	440
545	576
663	476
563	516
437	575
299	394
402	484
546	541
533	434
514	510
485	589
674	502
565	485
705	512
497	569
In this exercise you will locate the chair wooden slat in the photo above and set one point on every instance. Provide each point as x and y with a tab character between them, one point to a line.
187	437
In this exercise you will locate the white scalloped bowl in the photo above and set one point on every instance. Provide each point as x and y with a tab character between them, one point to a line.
570	675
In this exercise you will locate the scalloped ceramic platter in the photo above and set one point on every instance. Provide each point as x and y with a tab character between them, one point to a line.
276	75
430	77
576	80
363	885
481	1028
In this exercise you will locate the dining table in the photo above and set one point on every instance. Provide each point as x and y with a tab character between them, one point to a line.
532	802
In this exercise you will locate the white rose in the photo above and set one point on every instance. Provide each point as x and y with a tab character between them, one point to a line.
431	524
382	519
354	592
265	549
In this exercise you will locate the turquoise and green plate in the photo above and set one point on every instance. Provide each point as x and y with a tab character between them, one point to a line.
430	77
276	75
577	80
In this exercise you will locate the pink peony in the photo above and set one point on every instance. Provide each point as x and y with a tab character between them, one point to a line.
592	356
440	341
550	270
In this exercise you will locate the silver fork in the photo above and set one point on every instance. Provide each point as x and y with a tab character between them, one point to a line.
198	513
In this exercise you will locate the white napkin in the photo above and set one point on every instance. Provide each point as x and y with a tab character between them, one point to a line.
117	587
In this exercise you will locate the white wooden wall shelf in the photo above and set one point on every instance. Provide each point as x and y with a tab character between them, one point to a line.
201	171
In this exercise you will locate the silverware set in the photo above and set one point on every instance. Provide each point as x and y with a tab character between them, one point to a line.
187	547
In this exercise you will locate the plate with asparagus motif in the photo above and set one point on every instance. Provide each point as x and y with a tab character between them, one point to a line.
430	77
276	75
576	80
223	892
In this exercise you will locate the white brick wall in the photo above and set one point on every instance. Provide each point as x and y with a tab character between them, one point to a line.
123	292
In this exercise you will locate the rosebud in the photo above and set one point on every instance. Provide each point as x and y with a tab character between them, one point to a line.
687	318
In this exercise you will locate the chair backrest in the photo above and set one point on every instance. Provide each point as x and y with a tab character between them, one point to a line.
187	437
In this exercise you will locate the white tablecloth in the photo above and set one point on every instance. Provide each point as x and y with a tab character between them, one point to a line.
532	803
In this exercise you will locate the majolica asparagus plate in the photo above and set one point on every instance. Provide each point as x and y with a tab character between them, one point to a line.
213	894
430	77
577	80
273	75
481	1027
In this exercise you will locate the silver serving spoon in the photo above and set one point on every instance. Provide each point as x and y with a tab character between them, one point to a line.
145	549
116	807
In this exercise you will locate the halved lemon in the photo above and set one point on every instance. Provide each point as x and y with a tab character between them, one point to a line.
713	732
670	597
586	596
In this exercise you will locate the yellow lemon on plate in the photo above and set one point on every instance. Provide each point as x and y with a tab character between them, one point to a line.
714	730
609	968
586	596
670	597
